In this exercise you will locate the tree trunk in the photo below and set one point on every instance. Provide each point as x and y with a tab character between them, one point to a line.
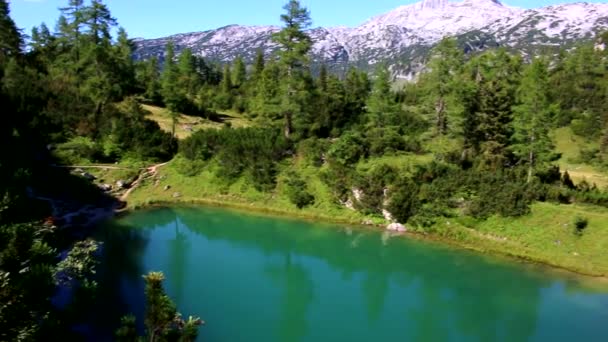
441	118
531	166
288	124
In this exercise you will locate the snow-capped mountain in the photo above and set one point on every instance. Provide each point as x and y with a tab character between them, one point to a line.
404	36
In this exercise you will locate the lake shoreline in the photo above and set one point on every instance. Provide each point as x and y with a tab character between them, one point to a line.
479	247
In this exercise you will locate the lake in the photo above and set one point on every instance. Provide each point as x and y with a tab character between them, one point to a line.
257	278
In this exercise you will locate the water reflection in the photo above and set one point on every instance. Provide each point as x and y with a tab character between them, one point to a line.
297	295
265	279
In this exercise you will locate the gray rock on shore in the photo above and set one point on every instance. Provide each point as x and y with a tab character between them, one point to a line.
397	227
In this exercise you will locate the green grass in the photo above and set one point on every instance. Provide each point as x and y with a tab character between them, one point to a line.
186	125
400	161
207	188
570	145
546	235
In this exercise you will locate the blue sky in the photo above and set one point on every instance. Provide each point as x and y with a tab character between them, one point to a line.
157	18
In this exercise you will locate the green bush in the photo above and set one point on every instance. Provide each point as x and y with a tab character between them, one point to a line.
297	192
404	202
348	149
188	168
372	183
313	150
77	150
255	151
580	224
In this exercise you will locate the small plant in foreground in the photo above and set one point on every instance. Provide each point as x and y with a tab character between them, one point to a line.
580	223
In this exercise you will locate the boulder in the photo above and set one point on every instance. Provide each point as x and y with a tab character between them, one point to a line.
176	195
167	187
121	184
88	176
105	187
396	227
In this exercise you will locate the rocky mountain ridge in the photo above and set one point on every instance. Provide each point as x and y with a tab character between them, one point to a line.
403	37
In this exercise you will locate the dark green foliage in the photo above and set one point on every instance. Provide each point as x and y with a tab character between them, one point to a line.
297	191
162	321
255	151
404	202
580	224
338	178
314	150
373	185
348	149
26	280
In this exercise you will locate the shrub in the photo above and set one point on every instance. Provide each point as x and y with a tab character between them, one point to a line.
187	167
256	151
580	224
373	183
348	149
404	202
77	150
313	150
297	192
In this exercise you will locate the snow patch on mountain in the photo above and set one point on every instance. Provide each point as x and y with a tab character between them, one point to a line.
404	36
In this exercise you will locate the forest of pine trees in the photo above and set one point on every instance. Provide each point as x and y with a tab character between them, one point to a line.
485	117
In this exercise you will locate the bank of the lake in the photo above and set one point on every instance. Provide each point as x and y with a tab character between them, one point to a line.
262	278
544	236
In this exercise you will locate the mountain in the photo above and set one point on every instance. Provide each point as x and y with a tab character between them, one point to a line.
404	36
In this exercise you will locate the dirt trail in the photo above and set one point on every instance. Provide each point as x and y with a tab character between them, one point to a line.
146	173
109	167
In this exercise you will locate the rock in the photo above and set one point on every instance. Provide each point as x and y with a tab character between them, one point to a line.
357	193
121	184
105	187
79	170
368	222
575	254
167	187
396	227
176	195
387	215
88	176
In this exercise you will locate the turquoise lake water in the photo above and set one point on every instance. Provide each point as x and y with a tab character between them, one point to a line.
256	278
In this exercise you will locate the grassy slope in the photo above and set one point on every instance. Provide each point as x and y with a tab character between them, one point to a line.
545	236
188	124
570	145
206	188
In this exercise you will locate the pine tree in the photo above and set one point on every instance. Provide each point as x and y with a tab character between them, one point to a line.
441	84
10	37
169	86
150	79
531	123
490	95
266	103
188	77
69	24
356	89
162	321
124	65
295	44
239	73
381	104
258	65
